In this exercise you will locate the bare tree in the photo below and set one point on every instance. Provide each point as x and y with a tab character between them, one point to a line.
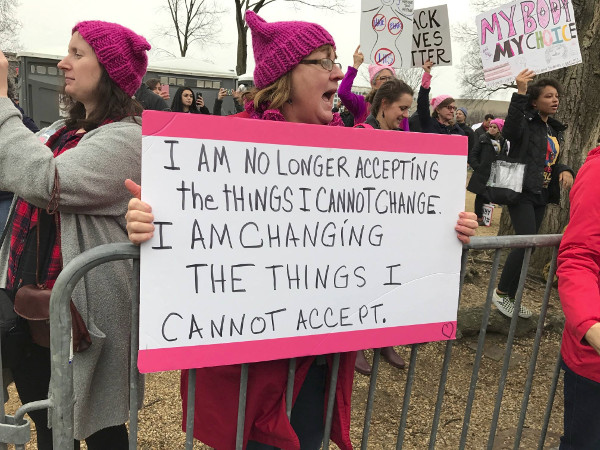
241	6
194	21
471	67
412	77
9	25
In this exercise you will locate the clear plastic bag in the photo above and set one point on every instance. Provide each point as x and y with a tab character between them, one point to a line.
507	175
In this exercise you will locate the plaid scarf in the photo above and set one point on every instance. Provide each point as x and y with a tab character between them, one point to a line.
26	217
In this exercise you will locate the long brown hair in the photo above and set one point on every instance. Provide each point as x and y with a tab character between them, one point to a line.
390	91
277	93
113	104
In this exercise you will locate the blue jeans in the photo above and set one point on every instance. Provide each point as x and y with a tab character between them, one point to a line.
582	413
4	208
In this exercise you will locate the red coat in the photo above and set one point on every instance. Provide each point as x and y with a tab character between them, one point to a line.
217	397
579	270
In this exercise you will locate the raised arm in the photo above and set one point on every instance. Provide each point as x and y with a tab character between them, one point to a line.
219	102
515	119
353	102
423	97
90	175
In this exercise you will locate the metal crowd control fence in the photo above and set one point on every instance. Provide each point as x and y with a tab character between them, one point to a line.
16	429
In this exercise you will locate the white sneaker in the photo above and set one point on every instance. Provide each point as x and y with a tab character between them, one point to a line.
524	312
506	306
503	303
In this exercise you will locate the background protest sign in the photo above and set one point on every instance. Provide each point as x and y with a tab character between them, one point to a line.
277	240
385	32
538	35
431	36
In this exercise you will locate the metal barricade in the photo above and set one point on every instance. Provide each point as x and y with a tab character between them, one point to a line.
61	385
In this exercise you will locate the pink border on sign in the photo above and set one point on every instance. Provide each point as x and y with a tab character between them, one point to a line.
158	360
200	126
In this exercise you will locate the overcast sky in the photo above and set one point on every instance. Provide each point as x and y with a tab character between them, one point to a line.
46	26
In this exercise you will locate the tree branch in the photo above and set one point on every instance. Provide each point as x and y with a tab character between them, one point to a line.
194	21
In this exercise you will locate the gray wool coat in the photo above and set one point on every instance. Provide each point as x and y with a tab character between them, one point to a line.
93	203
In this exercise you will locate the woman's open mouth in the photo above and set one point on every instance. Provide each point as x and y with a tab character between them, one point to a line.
328	97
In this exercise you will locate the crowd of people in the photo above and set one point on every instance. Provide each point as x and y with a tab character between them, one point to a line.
69	196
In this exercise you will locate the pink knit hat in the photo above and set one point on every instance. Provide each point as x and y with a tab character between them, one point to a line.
121	51
499	123
280	46
435	101
374	70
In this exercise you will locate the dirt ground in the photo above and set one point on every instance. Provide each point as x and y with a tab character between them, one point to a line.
160	419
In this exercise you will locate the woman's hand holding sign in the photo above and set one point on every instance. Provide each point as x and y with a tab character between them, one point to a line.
466	226
140	227
523	79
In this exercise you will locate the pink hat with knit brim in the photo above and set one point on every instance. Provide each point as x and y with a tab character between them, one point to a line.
435	101
499	123
374	70
280	46
121	51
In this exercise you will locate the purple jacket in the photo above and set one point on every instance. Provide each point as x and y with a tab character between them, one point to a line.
356	104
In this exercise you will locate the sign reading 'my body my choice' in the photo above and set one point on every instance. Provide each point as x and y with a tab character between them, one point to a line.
278	240
539	35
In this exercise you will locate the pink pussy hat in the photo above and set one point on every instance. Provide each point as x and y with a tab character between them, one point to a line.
499	123
374	70
435	101
121	51
280	46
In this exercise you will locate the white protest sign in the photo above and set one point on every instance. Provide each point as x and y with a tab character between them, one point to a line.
538	35
488	212
278	240
385	32
431	36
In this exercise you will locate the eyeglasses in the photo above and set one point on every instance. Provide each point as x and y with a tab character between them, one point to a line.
326	63
386	78
451	108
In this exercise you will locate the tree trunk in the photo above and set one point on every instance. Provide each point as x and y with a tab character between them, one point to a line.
242	47
242	51
578	109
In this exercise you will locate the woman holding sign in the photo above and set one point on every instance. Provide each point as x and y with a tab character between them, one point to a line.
441	120
388	111
536	139
358	105
69	198
296	78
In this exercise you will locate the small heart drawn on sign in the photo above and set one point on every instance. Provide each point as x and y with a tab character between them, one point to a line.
448	330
